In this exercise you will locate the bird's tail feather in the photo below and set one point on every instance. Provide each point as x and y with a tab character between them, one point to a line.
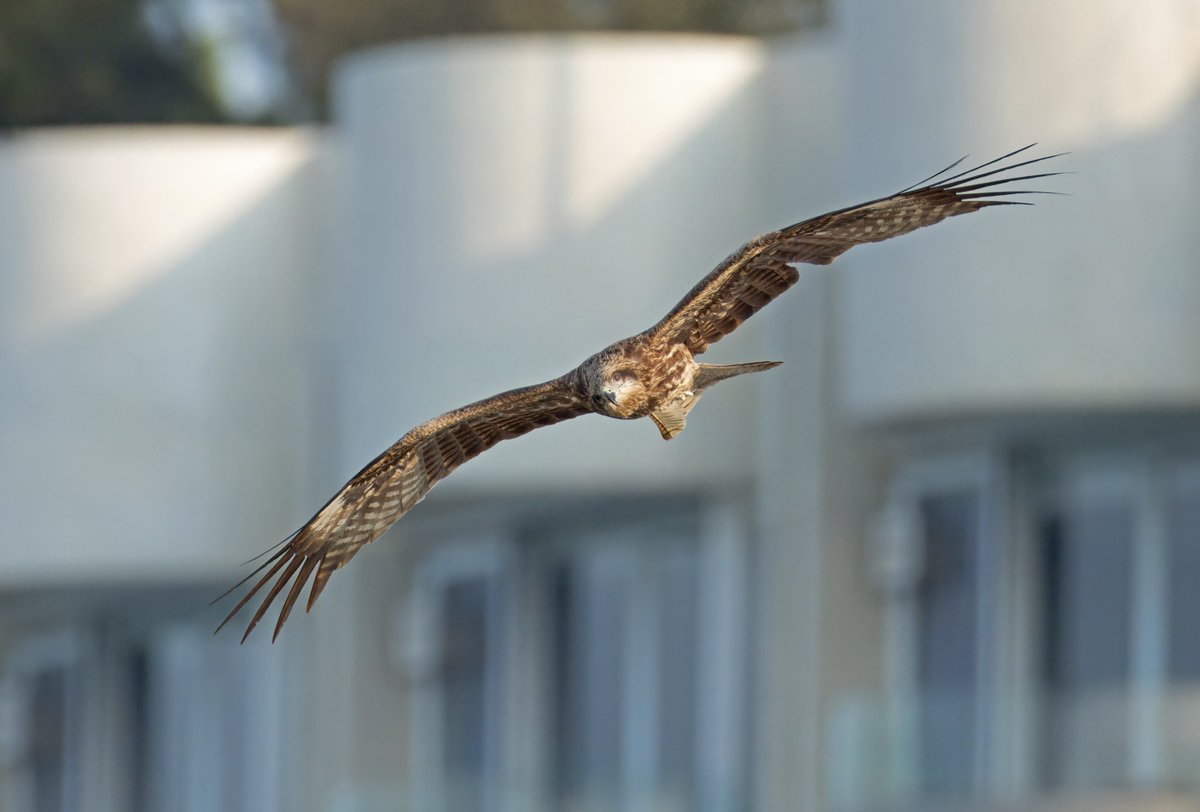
708	374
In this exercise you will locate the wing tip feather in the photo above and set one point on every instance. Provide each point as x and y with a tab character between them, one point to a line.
318	585
301	578
970	184
296	569
294	562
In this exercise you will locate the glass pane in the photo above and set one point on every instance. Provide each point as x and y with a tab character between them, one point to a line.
589	627
137	688
625	615
948	646
678	606
464	685
1183	578
1087	558
1182	719
48	740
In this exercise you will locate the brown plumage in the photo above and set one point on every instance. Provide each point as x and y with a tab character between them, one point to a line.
653	374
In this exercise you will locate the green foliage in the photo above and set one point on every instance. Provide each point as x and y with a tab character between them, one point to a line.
97	61
101	61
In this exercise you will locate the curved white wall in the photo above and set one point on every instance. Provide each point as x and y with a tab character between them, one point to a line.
513	205
153	401
1087	301
185	373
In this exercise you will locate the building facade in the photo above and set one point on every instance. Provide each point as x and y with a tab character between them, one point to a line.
944	556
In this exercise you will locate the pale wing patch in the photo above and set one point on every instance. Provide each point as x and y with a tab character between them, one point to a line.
672	418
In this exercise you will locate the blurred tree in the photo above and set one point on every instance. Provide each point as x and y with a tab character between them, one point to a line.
99	61
108	61
319	31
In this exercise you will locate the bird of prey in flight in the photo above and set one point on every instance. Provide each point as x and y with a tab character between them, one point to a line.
653	374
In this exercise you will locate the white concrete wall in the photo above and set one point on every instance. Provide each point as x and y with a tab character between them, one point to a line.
153	401
183	375
513	205
509	206
816	623
1085	302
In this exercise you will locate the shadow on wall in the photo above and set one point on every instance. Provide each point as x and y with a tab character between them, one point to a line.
595	273
1082	303
163	436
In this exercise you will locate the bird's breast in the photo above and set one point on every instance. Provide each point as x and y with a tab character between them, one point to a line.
669	373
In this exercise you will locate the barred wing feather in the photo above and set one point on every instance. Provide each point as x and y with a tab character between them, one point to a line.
762	269
393	483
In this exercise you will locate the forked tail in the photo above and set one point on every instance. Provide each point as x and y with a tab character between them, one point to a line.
708	374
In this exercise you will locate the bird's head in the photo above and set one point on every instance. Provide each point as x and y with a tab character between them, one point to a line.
611	386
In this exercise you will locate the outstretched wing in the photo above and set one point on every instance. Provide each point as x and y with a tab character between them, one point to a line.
394	482
763	268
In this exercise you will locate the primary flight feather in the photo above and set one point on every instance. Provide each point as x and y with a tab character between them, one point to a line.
653	374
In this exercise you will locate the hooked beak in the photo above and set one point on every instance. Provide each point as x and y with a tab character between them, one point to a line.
610	397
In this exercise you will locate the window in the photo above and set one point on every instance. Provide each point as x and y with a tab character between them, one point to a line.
624	669
1085	562
1181	717
947	606
1040	627
137	714
932	559
557	664
458	617
41	717
467	749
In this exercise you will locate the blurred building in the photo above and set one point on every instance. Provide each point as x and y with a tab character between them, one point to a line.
946	557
